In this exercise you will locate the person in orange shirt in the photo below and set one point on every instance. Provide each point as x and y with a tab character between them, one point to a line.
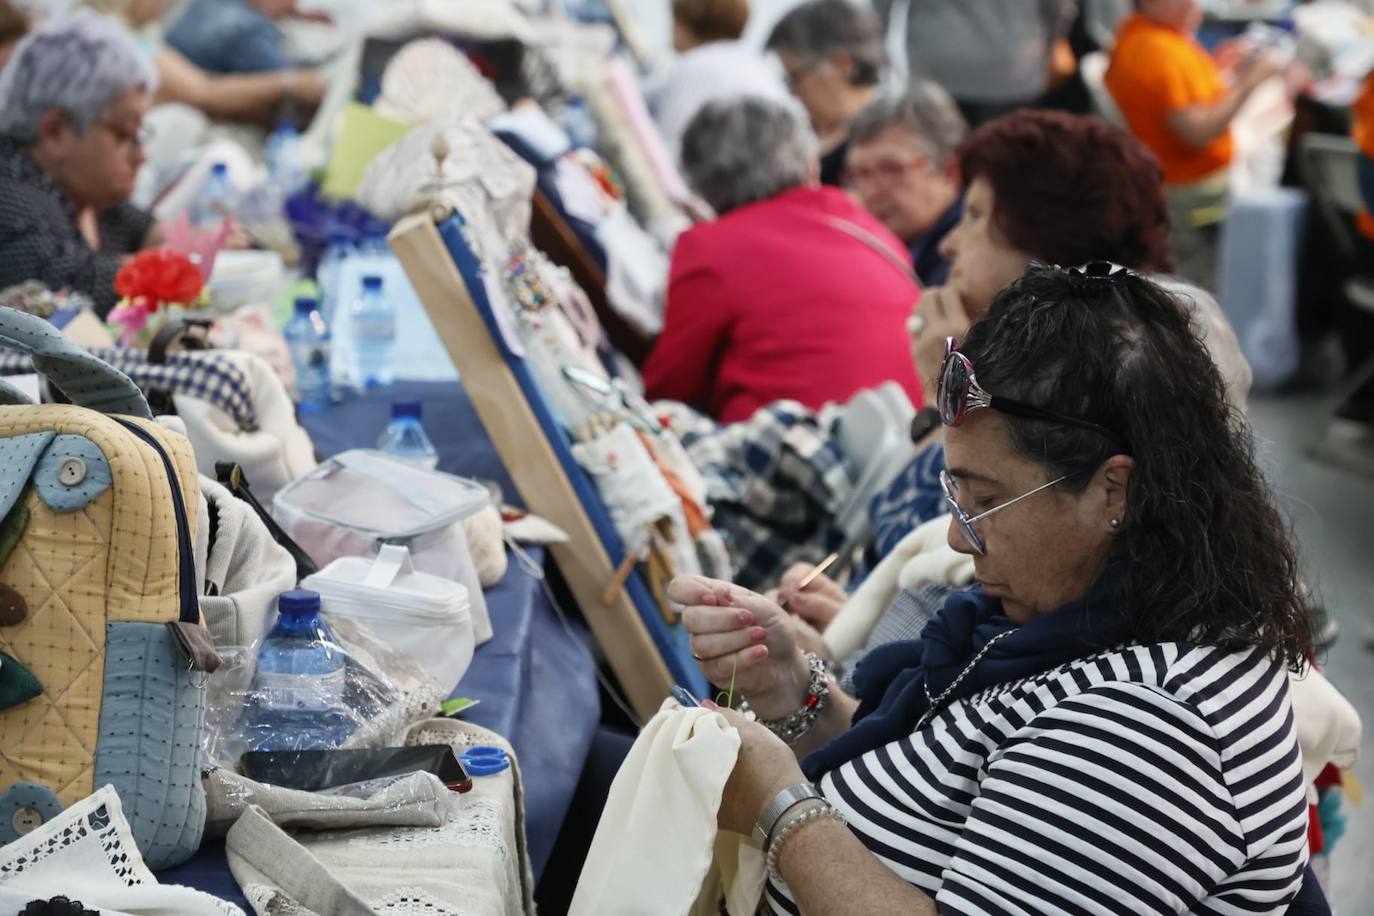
1362	130
1180	102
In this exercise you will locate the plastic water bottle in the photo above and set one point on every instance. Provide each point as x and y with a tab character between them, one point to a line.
285	161
297	700
215	200
307	339
337	250
374	336
579	123
405	437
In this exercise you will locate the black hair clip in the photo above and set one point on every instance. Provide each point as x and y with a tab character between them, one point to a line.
1101	270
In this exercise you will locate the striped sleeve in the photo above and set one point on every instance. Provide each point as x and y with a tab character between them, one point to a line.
1112	801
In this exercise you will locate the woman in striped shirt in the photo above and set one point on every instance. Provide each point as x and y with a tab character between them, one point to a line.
1102	724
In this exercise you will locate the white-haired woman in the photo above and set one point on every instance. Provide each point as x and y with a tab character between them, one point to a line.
794	292
75	90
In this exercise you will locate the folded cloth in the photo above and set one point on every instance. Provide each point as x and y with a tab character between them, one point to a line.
88	853
474	862
657	851
416	800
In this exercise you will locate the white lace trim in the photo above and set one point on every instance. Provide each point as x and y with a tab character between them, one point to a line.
415	901
476	824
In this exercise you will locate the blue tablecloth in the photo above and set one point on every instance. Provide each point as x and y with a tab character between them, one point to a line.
448	417
536	679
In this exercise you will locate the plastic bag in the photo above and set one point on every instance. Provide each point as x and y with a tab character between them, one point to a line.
370	702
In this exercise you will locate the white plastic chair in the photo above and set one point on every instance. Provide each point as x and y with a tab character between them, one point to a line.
875	436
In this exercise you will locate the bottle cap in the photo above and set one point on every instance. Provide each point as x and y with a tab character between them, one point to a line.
219	169
307	304
372	283
484	760
405	409
298	601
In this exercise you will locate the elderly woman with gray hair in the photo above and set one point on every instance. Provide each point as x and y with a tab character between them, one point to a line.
75	92
833	58
902	166
794	292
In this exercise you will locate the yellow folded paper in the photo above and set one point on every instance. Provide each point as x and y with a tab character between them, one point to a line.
362	135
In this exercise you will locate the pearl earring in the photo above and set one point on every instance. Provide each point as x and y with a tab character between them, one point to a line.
1115	523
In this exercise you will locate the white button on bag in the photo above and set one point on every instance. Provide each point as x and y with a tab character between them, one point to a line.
72	472
26	821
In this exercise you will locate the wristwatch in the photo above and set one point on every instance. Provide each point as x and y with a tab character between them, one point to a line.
783	802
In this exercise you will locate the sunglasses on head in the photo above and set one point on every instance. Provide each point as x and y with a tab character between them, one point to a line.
959	395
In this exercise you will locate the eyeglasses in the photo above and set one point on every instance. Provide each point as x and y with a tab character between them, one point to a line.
133	138
793	77
966	522
886	172
959	395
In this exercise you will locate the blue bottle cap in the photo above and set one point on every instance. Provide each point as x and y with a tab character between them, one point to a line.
484	761
219	169
372	283
298	601
405	409
307	304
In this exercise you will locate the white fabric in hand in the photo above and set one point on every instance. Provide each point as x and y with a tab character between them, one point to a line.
657	851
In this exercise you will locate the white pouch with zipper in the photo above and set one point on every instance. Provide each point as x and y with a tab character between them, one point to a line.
361	500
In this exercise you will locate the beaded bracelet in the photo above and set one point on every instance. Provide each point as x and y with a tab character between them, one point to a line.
793	728
790	824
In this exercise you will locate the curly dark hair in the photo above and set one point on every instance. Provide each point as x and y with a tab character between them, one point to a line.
1072	188
1207	557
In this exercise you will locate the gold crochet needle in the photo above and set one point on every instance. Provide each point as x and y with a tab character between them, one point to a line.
810	577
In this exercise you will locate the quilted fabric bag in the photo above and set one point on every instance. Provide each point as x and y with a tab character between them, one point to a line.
102	653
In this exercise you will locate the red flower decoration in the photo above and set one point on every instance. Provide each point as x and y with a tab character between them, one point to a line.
159	277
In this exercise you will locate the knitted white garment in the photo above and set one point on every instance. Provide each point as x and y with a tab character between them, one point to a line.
657	851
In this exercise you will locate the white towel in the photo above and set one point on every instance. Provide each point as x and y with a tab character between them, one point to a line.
657	851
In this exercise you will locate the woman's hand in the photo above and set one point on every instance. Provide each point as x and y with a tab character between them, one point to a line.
941	314
765	766
818	602
738	634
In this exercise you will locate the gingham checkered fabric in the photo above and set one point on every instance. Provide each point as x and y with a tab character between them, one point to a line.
913	498
200	374
774	483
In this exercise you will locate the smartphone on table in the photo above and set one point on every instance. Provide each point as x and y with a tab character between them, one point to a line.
315	771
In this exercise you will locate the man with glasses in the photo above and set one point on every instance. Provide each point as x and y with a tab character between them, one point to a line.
71	143
902	168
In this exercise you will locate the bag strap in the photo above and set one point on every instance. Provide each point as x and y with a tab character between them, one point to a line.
85	380
872	241
230	475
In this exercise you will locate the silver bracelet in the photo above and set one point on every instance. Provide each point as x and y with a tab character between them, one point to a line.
793	728
793	821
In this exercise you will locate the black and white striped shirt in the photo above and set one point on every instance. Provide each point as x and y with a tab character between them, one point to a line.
1153	779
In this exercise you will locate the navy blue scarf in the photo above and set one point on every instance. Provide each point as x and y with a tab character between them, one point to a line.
892	680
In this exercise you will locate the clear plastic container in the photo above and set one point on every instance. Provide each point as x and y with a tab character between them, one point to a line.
405	438
307	339
429	617
360	500
298	689
374	336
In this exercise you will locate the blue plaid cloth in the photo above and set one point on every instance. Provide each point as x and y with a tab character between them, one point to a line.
205	375
913	499
774	483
